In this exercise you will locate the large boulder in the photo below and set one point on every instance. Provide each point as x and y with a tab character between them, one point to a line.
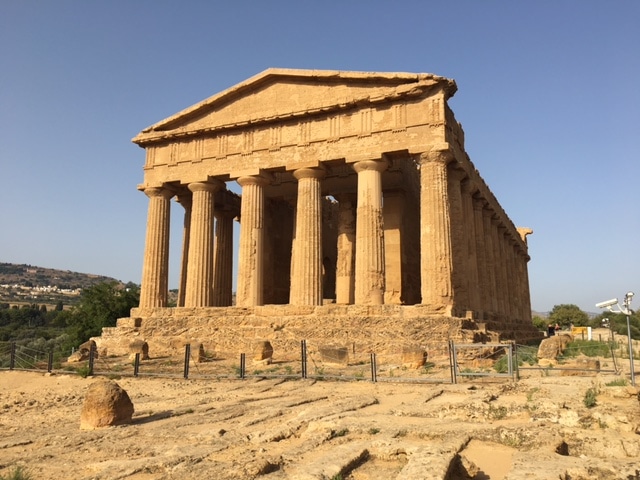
551	348
83	352
139	346
263	352
413	356
106	404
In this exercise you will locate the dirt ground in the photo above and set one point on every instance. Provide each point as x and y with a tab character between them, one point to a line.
535	428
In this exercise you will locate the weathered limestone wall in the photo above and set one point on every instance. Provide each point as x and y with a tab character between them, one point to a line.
373	328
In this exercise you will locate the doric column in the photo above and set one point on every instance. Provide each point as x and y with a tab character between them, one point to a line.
470	236
501	287
250	260
200	263
481	258
369	287
184	199
393	209
491	262
223	259
458	242
345	265
155	270
436	257
523	260
306	280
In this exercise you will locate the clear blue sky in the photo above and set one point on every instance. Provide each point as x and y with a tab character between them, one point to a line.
549	98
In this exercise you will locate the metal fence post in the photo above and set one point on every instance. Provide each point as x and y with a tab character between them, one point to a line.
303	357
12	356
50	362
452	362
374	368
187	355
136	365
243	367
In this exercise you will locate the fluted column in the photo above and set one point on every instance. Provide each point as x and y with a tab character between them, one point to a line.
499	266
306	280
223	259
435	232
250	261
492	269
481	259
200	263
470	234
523	259
345	265
459	249
155	270
184	199
369	288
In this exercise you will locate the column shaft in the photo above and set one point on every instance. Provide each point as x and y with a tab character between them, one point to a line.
155	270
481	259
436	256
250	261
200	263
345	265
470	234
491	261
185	201
459	250
369	288
306	280
223	260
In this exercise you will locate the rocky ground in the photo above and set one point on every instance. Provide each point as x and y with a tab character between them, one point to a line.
536	428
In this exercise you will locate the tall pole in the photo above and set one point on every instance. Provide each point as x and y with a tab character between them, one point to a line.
633	376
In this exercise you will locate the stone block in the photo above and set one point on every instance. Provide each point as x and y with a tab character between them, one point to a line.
413	356
141	347
334	354
263	352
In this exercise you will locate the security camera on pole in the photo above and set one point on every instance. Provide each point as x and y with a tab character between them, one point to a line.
626	309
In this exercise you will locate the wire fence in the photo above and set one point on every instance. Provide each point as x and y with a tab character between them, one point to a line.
445	362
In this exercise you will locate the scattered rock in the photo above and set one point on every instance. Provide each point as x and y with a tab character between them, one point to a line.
413	357
106	404
263	352
331	354
141	347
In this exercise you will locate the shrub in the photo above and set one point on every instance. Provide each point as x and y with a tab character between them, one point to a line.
17	473
590	398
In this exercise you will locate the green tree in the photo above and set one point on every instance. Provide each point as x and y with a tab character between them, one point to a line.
568	314
540	323
100	306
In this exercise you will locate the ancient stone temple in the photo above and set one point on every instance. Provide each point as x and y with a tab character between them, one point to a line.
359	209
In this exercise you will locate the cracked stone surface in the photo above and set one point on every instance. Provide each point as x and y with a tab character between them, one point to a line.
536	428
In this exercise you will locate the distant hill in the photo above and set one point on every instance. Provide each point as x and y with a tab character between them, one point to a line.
32	276
28	284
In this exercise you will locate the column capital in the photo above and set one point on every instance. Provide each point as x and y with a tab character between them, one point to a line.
157	192
524	231
439	156
209	186
378	165
259	180
310	172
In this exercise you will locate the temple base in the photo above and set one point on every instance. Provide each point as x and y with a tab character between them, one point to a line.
363	328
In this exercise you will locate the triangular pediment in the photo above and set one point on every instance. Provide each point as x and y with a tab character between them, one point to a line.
284	94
